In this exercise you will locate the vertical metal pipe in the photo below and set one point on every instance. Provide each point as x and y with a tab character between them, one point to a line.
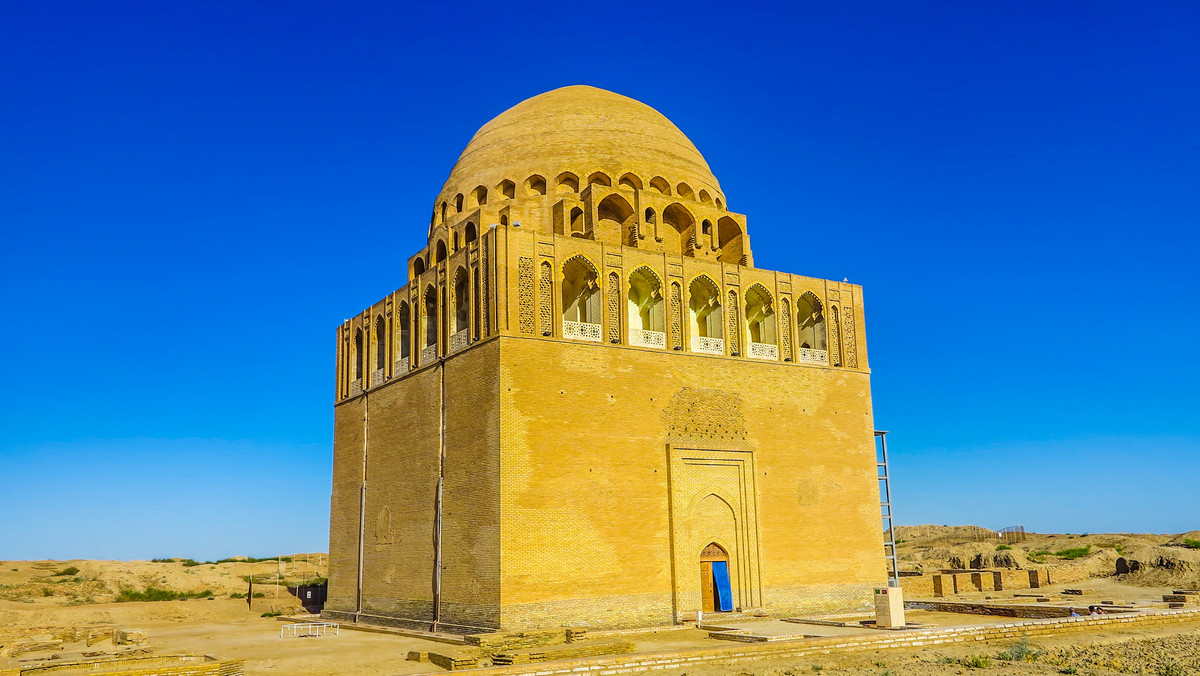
437	552
362	507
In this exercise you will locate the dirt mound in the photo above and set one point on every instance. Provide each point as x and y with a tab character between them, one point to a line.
1190	539
973	555
1160	567
930	534
83	581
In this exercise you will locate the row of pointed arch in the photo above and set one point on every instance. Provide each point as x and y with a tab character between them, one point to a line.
655	314
432	328
563	183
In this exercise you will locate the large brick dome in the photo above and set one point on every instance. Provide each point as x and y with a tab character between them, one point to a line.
580	131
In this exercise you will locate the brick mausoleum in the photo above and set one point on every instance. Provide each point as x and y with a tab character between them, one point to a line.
586	406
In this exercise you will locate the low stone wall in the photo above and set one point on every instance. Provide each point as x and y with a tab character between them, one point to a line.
16	641
158	665
637	664
1028	612
948	583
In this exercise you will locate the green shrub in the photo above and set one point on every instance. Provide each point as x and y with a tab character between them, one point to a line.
259	595
1003	548
162	560
976	661
1068	670
271	614
71	570
156	594
188	563
46	591
1020	651
237	595
1074	552
251	559
1191	544
1171	669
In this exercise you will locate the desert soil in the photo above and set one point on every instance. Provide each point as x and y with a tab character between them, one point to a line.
36	594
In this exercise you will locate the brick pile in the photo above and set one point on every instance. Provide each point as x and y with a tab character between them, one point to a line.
1180	598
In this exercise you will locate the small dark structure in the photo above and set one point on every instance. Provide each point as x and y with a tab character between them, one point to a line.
312	596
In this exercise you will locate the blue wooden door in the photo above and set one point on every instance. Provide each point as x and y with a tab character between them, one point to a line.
724	600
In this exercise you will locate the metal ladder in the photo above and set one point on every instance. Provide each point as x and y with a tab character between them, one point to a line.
885	508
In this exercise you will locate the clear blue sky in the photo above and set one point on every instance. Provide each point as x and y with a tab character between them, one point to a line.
193	195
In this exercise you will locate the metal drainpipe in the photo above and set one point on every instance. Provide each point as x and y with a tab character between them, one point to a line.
437	552
362	508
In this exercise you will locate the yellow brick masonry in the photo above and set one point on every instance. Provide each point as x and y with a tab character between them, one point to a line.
583	478
885	640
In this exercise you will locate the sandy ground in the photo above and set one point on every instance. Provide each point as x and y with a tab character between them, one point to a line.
226	628
35	593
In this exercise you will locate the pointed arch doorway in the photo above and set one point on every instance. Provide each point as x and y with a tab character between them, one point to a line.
716	594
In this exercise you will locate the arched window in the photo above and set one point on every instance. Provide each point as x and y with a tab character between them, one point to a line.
720	204
704	316
478	197
685	191
470	236
704	197
380	343
630	181
477	301
461	313
580	299
504	220
617	218
403	319
506	189
358	354
441	251
535	185
810	324
566	182
729	241
455	242
760	323
646	309
458	203
431	316
678	237
418	266
660	184
577	223
445	206
599	178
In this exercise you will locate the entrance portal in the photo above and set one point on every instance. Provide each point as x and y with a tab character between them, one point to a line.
715	591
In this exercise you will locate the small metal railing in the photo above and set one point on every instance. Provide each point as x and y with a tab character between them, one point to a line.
310	629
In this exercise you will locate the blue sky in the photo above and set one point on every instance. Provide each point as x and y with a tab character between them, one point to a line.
193	195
